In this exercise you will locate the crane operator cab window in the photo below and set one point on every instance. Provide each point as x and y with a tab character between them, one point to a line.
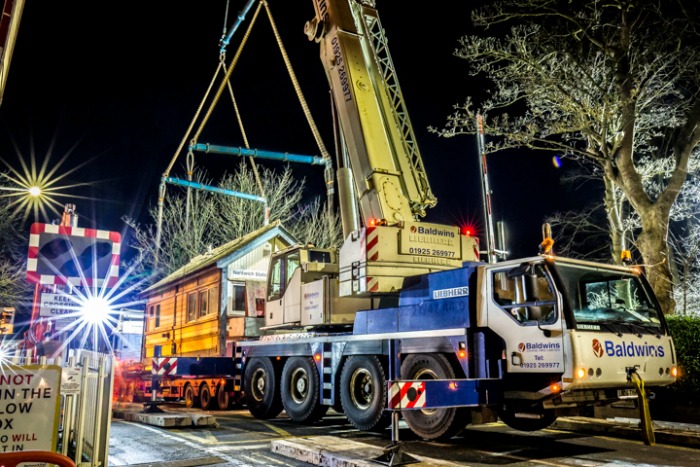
525	293
282	268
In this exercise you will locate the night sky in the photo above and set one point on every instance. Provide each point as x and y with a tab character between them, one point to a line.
116	85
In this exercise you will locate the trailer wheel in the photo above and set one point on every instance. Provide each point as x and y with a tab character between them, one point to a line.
190	400
301	390
204	396
532	421
432	423
363	393
262	395
222	397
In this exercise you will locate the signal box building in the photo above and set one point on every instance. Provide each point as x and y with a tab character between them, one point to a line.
215	299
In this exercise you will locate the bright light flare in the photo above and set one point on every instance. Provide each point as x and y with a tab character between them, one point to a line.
96	310
95	313
34	189
468	230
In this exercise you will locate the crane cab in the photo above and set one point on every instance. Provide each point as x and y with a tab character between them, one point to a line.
302	289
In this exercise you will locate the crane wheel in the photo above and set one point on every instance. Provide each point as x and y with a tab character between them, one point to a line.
261	388
432	424
301	390
204	396
222	397
363	393
190	399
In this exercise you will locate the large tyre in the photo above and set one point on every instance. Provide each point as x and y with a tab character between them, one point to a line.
432	423
190	400
204	396
363	393
262	395
301	390
532	421
222	397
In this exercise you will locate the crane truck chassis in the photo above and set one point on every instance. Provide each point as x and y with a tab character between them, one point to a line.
527	340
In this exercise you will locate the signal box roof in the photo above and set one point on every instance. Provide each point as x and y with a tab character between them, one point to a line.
225	254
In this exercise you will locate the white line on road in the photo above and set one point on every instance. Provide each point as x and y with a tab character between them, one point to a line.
182	440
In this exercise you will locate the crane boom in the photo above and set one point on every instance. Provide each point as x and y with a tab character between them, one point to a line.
387	166
381	168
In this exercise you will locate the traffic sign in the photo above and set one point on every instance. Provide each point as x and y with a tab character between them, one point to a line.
29	407
73	255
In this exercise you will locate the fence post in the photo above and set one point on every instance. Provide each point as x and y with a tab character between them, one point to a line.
101	429
68	414
81	411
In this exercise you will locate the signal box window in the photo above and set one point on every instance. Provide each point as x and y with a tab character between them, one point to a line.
239	297
204	303
236	299
191	306
151	314
157	315
525	293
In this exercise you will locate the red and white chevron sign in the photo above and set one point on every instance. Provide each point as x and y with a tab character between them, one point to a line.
72	255
406	394
164	366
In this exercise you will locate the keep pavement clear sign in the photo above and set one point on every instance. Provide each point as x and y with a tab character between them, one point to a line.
29	407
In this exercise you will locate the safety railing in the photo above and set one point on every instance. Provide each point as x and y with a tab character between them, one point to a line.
12	459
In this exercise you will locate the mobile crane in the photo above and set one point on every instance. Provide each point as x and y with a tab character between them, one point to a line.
404	317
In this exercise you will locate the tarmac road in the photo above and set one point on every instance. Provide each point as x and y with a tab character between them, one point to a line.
237	439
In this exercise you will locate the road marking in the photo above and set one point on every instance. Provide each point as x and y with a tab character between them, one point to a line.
276	429
213	452
229	446
205	438
244	441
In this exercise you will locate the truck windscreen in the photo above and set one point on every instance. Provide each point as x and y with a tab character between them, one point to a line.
608	298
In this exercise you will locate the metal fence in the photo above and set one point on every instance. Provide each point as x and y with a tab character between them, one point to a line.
87	383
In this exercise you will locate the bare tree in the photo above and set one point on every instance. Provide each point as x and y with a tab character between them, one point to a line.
612	82
238	216
15	291
318	225
685	241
